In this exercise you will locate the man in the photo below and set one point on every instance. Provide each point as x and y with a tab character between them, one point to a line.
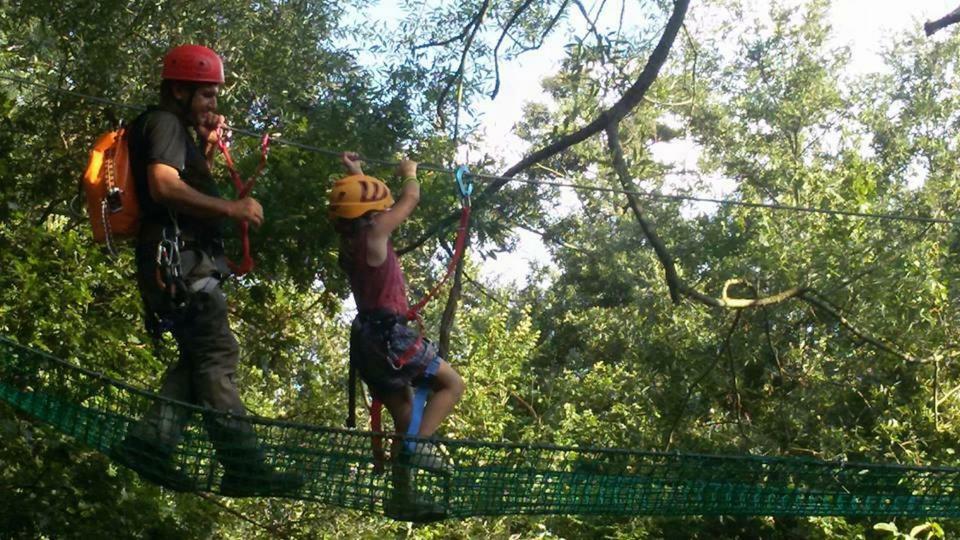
180	263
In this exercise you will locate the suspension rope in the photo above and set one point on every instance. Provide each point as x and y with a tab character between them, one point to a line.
580	187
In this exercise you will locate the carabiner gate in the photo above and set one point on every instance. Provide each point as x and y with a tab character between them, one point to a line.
465	186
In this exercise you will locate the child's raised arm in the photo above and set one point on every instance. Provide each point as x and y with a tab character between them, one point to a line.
384	223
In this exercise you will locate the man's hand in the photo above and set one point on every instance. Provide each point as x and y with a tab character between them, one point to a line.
351	162
247	210
407	168
209	131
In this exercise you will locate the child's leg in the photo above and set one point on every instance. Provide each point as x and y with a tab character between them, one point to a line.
447	389
400	406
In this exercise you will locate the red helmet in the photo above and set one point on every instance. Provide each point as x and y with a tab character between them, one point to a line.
193	63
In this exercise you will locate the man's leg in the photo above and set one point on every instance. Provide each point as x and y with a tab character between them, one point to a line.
150	443
215	353
163	422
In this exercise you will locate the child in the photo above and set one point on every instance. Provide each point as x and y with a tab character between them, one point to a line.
365	216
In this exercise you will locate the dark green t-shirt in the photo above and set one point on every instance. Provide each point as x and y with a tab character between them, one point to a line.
159	136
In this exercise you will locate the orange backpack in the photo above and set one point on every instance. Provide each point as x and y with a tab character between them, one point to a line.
110	190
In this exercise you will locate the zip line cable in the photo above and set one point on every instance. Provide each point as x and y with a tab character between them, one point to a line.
730	202
553	183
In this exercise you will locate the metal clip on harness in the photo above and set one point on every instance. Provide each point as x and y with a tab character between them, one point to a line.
169	265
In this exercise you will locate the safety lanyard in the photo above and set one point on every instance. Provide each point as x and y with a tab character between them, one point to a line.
242	190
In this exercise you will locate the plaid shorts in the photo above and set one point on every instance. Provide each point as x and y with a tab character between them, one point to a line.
377	341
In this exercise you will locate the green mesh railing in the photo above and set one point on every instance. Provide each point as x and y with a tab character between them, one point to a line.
465	478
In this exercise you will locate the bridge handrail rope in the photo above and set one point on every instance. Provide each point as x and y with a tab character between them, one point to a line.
487	478
572	185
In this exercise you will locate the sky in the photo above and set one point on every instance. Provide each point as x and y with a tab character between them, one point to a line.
863	25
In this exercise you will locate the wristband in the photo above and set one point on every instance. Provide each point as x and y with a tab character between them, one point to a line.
408	179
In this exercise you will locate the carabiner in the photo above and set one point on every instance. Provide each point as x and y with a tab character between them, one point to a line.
466	187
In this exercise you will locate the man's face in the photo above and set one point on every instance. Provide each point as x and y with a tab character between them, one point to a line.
204	103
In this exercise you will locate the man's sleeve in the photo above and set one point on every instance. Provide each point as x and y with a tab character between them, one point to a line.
166	141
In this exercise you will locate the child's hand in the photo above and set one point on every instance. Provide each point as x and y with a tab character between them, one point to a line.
351	161
407	168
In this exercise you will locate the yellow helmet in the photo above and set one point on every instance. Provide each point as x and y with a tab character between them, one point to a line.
355	195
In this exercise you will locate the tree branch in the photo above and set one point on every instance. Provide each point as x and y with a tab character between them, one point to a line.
678	287
528	407
446	42
496	50
273	531
483	290
592	25
738	401
546	30
930	27
475	23
813	298
666	260
686	400
627	102
542	234
450	311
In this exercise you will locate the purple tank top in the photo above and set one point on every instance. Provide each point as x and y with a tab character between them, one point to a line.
376	287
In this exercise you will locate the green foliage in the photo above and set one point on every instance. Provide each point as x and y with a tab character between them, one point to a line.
590	351
922	531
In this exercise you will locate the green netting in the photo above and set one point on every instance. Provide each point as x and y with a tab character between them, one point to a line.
336	466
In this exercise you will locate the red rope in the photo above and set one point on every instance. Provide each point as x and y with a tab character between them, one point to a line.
459	245
414	312
243	189
376	441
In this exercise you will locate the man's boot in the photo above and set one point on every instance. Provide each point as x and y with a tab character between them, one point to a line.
247	474
153	462
259	480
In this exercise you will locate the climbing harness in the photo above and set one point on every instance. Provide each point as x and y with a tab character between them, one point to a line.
169	268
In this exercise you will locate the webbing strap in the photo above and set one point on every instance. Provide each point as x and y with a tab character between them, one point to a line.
243	189
416	415
352	397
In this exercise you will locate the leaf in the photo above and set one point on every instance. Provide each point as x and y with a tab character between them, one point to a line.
914	532
889	527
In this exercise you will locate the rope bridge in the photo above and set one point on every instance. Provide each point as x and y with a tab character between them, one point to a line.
336	466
